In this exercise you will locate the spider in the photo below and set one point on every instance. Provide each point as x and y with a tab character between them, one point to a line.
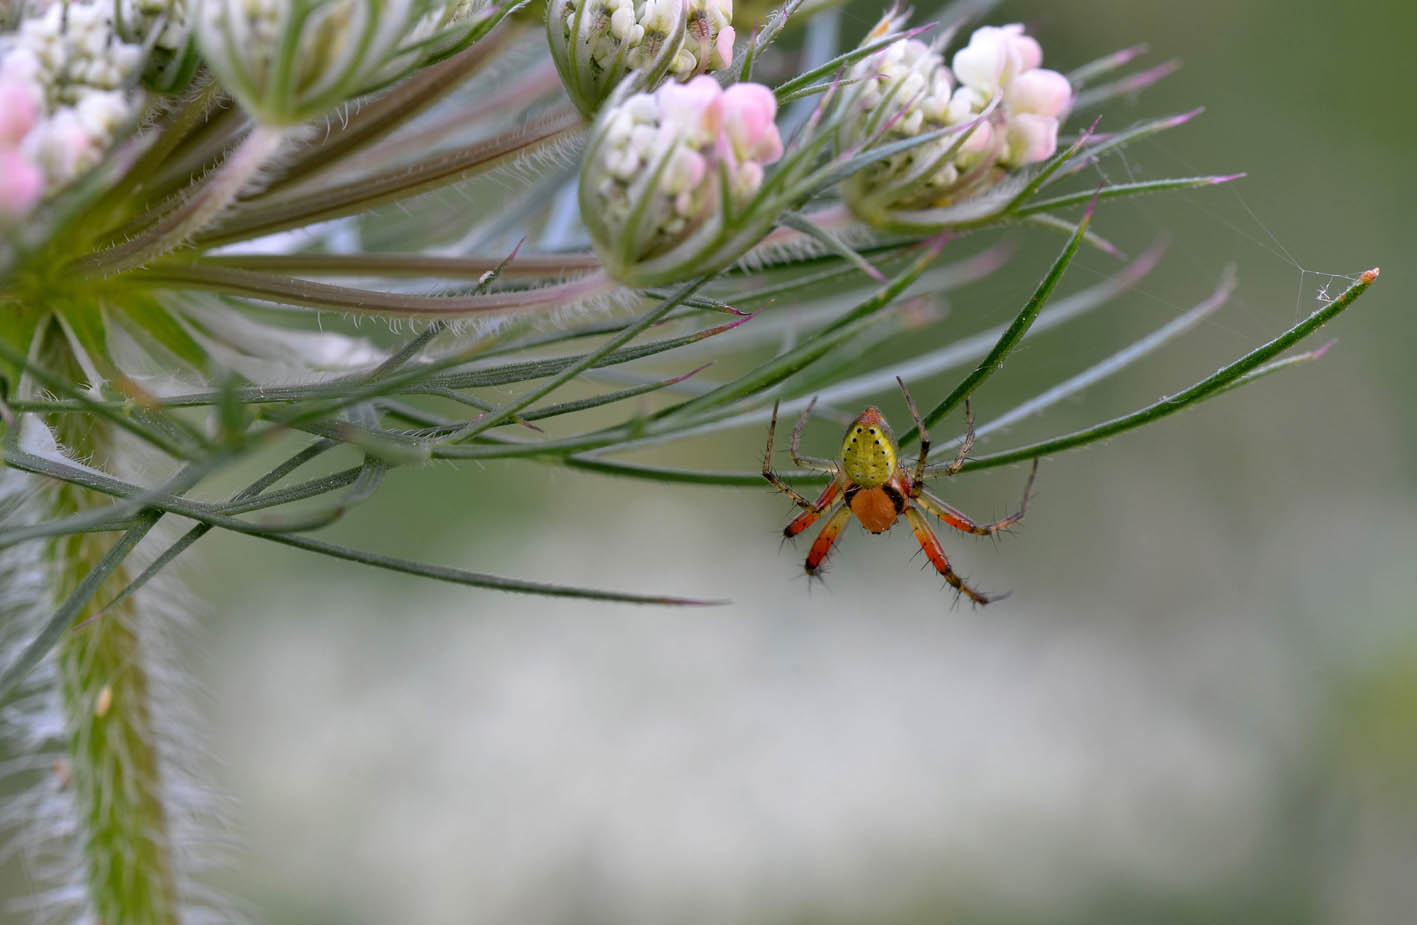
872	485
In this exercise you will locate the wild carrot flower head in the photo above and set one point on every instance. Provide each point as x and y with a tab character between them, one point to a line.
995	112
1002	63
661	168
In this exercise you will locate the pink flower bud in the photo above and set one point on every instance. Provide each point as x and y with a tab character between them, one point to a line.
723	46
1025	47
21	185
1029	139
696	103
19	108
748	114
1042	92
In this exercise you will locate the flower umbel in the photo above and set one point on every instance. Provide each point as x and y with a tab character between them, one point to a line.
1002	116
667	173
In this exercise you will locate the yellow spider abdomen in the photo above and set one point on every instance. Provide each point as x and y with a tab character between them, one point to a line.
868	452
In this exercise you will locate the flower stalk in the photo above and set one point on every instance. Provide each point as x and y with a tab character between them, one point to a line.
111	757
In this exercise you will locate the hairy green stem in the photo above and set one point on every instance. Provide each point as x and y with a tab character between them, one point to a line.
210	198
113	763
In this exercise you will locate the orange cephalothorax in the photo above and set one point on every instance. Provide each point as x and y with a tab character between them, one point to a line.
868	483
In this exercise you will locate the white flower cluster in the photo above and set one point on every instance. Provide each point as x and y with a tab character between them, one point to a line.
65	95
905	90
657	162
599	41
635	32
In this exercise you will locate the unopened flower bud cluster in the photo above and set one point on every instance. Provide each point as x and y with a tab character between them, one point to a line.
600	41
905	90
337	49
1003	62
656	170
65	79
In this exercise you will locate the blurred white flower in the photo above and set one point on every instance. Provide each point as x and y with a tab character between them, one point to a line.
66	94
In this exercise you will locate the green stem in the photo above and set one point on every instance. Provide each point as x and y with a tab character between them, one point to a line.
114	767
209	200
1251	366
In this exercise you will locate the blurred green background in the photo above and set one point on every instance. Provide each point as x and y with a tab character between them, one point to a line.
1200	704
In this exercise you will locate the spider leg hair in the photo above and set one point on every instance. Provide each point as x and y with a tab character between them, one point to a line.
823	543
957	464
962	523
772	477
807	462
924	437
936	554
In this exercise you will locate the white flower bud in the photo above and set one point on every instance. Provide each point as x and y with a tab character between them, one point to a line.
900	92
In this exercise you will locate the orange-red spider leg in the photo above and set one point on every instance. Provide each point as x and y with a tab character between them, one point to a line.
808	517
823	543
960	522
936	554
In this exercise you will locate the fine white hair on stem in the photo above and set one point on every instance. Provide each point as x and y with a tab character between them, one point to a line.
40	815
36	813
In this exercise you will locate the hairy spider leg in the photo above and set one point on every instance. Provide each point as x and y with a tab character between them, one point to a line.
921	468
807	462
811	509
823	543
771	476
964	448
808	517
964	524
936	554
924	435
